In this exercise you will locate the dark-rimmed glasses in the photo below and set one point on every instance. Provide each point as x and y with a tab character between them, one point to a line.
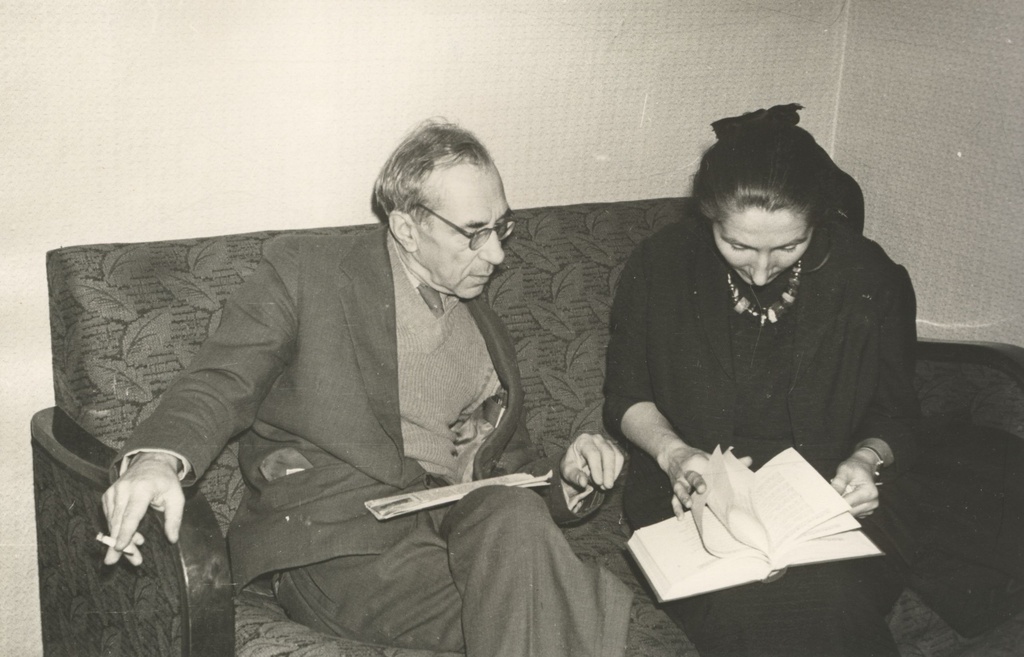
477	238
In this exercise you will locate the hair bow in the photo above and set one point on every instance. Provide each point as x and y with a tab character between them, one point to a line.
776	117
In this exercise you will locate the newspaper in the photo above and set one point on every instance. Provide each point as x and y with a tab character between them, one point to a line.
389	507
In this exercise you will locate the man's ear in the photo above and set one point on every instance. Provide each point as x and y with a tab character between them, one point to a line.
405	230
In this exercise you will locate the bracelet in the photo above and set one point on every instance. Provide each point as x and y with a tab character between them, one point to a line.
879	462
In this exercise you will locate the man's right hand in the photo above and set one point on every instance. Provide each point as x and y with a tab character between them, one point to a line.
151	480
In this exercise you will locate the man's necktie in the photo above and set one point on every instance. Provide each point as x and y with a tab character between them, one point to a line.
433	299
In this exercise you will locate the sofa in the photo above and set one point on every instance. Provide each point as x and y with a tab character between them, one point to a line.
126	319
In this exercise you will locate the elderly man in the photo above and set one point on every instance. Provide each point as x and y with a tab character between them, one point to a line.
361	366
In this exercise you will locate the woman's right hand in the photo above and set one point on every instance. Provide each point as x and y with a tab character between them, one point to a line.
684	466
646	427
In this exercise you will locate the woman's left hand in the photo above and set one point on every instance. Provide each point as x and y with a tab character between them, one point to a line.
855	481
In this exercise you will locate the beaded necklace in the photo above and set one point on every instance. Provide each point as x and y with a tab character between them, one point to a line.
742	305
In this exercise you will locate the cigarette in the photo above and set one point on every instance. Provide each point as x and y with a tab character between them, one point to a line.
130	551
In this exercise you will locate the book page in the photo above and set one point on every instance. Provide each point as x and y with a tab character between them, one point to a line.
845	545
841	523
672	557
728	500
718	540
791	499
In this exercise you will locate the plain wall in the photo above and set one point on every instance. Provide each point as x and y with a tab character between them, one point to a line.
931	123
123	121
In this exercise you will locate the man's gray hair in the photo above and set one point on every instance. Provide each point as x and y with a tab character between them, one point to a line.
434	144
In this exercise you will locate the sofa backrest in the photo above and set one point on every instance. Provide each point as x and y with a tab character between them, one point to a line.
126	319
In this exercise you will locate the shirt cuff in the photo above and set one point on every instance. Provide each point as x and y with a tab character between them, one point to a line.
184	467
574	499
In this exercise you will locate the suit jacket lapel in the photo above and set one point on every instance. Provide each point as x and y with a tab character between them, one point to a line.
370	312
503	357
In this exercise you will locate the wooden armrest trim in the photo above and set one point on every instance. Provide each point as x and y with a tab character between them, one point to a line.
72	447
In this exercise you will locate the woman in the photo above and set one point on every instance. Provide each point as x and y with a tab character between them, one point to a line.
769	322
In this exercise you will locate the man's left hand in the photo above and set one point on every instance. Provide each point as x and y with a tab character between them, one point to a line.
592	460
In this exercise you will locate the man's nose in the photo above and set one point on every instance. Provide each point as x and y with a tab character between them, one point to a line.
492	251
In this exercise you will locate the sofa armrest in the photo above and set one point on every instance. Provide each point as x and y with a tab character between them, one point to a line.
967	483
1007	358
979	381
179	602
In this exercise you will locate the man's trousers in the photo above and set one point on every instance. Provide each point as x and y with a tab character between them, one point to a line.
491	575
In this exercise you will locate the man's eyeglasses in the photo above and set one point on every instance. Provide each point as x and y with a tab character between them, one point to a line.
502	228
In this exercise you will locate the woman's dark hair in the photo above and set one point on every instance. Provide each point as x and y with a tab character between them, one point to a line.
763	160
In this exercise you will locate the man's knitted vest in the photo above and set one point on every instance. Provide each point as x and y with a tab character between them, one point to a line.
444	373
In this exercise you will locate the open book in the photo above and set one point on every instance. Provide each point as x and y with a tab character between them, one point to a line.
748	527
396	505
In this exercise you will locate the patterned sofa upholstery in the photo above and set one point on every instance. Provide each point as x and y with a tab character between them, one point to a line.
127	318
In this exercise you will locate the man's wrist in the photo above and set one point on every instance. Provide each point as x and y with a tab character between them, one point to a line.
163	457
142	458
